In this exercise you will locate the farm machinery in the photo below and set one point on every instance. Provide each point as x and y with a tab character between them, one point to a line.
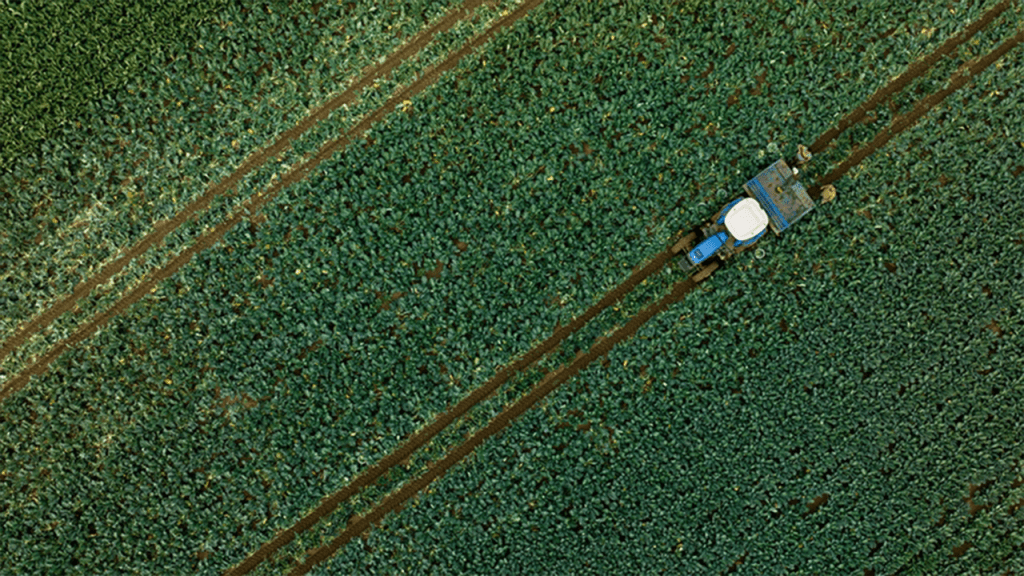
775	199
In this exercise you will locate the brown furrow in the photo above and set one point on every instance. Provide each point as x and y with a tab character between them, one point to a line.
426	434
249	206
163	228
917	68
395	500
901	123
420	438
437	469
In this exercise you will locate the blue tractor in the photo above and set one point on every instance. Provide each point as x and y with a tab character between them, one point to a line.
774	199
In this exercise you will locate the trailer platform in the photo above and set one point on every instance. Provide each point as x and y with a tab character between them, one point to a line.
780	194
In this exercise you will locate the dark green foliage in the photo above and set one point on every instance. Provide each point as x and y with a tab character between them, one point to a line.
60	56
144	156
815	370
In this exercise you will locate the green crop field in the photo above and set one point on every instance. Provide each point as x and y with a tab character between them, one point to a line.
843	400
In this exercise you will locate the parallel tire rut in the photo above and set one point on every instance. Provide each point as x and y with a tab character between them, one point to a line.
915	69
425	435
478	395
251	205
162	229
396	500
901	123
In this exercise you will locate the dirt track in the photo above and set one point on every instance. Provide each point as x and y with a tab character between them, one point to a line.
424	435
539	391
901	123
162	229
396	500
915	69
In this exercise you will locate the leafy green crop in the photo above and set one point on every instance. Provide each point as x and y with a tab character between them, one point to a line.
245	115
871	355
61	56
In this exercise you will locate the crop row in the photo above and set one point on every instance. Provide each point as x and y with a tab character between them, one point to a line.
710	361
60	56
36	285
243	56
267	352
826	377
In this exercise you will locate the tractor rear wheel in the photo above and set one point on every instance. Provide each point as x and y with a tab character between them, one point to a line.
705	272
684	242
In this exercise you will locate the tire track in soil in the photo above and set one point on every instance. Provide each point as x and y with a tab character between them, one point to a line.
252	205
420	438
921	107
396	500
163	228
483	392
916	69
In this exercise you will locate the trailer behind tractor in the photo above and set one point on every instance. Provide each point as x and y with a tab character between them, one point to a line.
775	199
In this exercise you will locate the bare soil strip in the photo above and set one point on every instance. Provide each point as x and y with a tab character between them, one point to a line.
916	69
396	500
901	123
250	206
163	228
425	435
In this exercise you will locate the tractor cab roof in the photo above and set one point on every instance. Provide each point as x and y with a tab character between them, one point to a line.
746	219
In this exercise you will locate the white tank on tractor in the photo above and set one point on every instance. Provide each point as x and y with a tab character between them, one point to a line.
775	199
745	220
